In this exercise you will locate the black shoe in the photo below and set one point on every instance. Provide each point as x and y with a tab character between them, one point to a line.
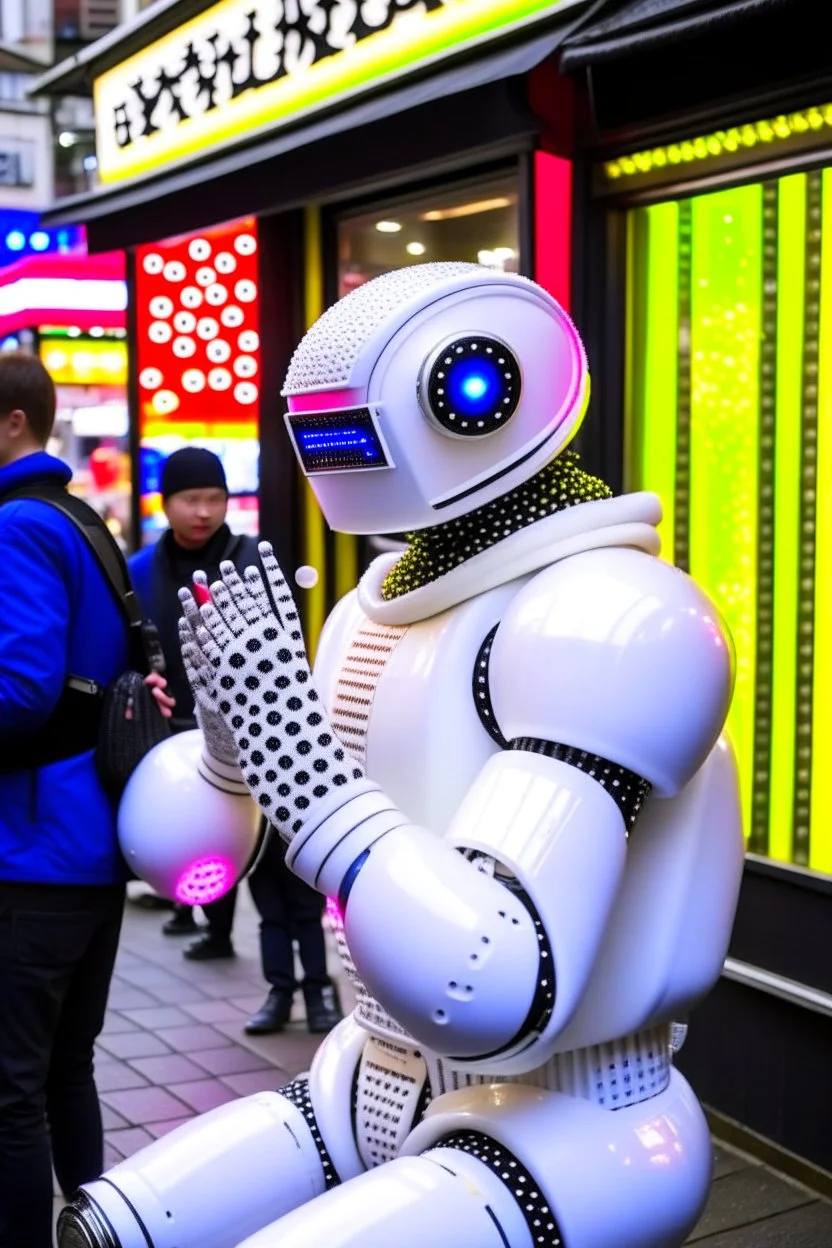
273	1014
323	1009
209	947
182	923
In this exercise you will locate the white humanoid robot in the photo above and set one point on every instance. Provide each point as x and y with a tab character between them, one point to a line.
508	777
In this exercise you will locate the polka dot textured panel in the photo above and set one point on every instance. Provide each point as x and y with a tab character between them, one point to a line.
627	790
289	755
197	327
327	354
433	552
298	1093
542	1224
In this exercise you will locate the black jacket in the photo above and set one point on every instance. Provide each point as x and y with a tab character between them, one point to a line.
158	573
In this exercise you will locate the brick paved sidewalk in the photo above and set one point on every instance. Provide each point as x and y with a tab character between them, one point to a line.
173	1046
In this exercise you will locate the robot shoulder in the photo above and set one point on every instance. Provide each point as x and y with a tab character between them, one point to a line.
618	654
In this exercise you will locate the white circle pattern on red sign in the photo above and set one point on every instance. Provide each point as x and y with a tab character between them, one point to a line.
164	402
160	332
175	271
193	380
207	328
245	392
184	322
202	321
245	290
184	348
161	306
218	351
232	317
219	379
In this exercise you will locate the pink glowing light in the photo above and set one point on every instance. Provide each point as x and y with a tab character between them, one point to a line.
334	912
204	880
326	400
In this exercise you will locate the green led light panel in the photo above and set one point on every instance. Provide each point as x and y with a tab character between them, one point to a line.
729	420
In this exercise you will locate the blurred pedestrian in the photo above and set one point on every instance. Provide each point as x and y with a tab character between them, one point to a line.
290	910
195	498
61	874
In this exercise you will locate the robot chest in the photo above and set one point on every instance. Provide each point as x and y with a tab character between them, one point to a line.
403	702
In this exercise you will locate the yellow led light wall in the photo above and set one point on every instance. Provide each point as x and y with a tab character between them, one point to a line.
758	135
730	415
246	65
86	362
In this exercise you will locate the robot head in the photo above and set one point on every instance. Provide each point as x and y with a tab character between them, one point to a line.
431	391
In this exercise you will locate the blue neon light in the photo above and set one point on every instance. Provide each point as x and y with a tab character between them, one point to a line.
39	241
475	387
15	240
348	438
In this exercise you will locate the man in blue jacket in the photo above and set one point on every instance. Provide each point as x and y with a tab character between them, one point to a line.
61	874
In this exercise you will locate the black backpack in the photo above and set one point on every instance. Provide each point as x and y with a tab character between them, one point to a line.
121	721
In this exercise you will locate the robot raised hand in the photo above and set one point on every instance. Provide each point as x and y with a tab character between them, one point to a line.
508	777
249	658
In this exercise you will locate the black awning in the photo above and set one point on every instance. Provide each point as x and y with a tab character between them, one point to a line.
632	27
468	106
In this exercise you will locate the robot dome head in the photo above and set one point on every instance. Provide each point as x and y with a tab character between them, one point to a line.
431	391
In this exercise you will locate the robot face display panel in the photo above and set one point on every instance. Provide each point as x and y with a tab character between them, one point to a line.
345	440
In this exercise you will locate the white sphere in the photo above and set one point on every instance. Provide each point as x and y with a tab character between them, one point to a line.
307	577
189	840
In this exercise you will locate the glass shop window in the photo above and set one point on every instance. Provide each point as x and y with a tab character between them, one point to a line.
476	224
730	421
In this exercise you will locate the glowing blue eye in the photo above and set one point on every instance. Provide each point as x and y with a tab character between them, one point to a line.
474	387
470	386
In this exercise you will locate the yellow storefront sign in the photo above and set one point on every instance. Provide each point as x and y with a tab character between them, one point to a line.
247	66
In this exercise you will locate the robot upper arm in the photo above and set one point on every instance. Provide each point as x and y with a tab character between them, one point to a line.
618	654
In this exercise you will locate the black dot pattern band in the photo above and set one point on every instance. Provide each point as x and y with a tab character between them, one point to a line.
297	1093
482	693
540	1220
627	790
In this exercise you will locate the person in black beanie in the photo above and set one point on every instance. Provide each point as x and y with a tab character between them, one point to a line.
195	496
196	500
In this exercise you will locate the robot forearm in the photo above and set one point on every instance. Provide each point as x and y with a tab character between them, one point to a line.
475	964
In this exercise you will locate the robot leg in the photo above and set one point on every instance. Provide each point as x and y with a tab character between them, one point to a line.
219	1178
583	1176
445	1199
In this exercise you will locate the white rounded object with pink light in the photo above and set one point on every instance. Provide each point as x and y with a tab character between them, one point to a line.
179	832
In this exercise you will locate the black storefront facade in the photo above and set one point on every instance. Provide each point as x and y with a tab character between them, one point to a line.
671	189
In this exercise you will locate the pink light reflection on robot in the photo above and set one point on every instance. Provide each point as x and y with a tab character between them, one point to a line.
204	880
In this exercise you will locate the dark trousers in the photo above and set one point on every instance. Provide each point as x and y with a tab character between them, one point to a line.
289	909
57	949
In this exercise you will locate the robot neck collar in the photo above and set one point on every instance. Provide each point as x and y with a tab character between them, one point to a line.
432	553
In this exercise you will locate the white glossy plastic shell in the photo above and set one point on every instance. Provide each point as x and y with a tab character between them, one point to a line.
170	817
622	656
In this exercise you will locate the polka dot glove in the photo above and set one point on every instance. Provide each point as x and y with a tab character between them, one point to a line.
254	669
219	740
